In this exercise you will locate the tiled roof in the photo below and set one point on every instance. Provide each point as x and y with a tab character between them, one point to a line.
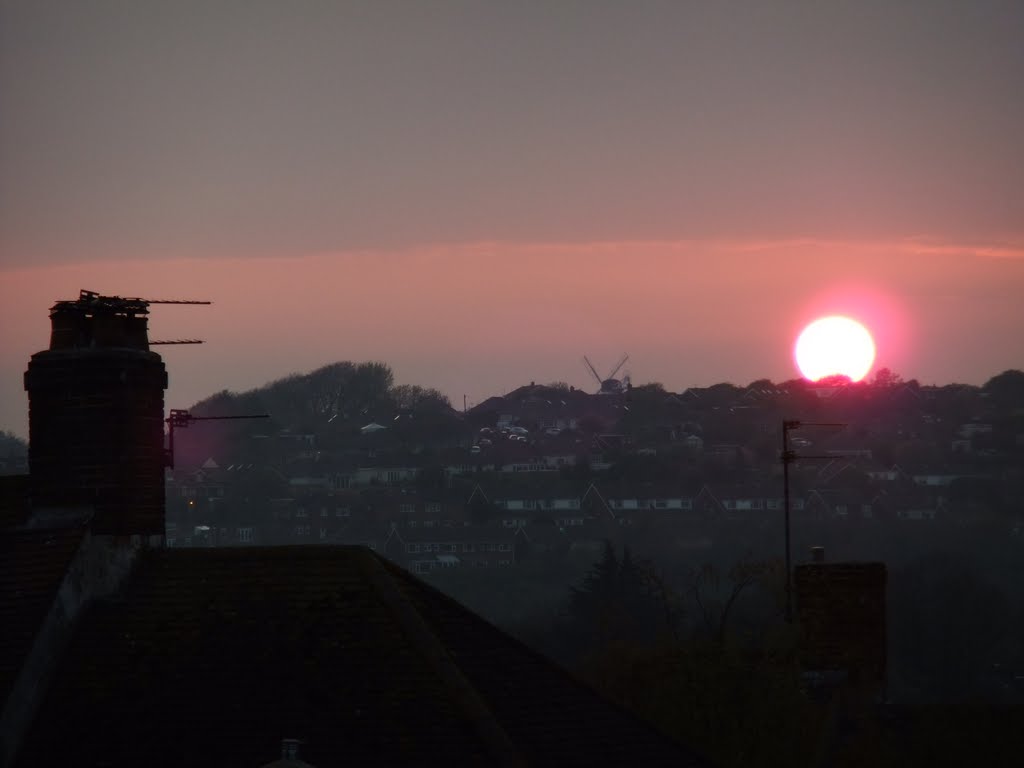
14	500
32	567
550	717
211	656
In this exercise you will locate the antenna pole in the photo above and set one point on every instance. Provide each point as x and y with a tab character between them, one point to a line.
180	419
788	457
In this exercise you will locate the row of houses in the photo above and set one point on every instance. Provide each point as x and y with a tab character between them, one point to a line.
470	522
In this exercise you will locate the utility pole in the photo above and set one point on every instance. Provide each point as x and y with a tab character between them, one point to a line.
788	457
180	419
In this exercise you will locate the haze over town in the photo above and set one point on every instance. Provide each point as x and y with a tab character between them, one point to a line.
479	195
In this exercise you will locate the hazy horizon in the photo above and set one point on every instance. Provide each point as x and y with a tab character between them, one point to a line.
479	194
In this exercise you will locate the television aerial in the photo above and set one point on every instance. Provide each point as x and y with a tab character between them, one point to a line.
609	385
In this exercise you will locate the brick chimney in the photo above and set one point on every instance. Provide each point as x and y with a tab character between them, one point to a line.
96	410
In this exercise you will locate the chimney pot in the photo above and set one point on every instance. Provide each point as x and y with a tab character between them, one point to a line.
290	749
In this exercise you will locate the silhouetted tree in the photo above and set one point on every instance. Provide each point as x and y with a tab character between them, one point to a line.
618	603
591	603
417	398
11	445
716	601
1006	390
884	377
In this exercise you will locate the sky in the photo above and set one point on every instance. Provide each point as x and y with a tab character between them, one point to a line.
480	193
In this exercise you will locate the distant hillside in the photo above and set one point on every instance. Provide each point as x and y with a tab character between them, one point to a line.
329	408
331	403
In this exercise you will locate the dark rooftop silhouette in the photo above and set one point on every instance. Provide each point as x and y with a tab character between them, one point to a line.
117	651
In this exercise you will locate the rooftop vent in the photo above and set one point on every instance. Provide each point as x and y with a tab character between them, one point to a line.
290	749
289	756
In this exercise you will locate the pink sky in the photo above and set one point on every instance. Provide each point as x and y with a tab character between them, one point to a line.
482	319
686	182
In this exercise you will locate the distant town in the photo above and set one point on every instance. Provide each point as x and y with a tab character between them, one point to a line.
551	470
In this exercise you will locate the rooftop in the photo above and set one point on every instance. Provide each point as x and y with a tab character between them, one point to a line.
212	656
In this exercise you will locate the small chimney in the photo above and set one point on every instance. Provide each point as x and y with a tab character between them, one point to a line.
817	554
290	749
289	756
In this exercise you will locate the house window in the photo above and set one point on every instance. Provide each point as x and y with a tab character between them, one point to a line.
342	512
323	534
412	549
433	508
392	476
323	511
406	509
504	547
245	535
660	504
301	512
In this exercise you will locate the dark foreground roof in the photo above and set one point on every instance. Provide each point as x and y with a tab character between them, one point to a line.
32	567
212	656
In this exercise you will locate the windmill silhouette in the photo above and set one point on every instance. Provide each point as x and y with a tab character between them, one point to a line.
609	385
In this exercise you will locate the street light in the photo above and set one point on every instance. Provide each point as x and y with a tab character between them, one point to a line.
788	457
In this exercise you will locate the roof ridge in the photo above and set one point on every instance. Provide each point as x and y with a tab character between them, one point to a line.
494	738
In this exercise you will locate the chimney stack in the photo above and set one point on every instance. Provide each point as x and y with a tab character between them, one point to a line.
96	417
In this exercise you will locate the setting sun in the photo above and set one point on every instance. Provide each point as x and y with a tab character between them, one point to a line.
835	346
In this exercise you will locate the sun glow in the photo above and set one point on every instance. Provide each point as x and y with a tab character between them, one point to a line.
832	346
